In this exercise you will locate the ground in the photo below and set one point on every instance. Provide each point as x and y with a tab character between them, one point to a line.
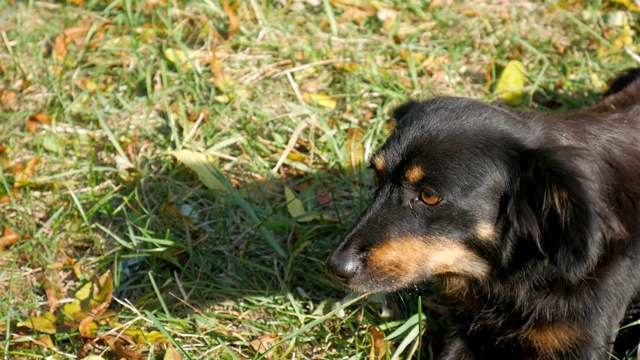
174	173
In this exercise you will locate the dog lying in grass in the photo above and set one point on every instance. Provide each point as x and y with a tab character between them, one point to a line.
528	223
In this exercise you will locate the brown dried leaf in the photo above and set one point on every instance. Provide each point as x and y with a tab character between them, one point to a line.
34	120
24	174
9	237
193	117
64	39
122	350
45	341
357	15
9	99
234	23
52	291
264	343
378	344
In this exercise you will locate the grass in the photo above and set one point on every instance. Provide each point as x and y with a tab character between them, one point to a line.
279	94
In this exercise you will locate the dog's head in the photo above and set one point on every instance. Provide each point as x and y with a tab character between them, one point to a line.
465	190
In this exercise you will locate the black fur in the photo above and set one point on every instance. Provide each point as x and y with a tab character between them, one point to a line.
536	238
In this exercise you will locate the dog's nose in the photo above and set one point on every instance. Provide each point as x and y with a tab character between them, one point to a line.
343	266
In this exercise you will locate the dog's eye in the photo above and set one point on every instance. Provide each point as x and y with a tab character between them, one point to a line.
429	197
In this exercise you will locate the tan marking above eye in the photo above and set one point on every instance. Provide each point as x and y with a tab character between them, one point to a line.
414	174
378	162
429	198
409	260
485	231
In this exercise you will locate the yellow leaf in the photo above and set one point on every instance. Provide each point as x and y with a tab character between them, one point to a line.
223	99
626	36
295	157
178	57
629	4
45	323
323	100
202	165
92	295
144	338
296	208
412	57
511	82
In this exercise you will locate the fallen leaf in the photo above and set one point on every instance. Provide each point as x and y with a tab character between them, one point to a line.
221	79
296	207
89	301
629	4
52	143
323	100
234	23
411	57
142	337
122	350
378	344
357	15
264	343
34	120
26	173
193	117
511	83
625	38
9	237
44	324
179	58
45	341
52	291
294	156
64	39
203	165
9	99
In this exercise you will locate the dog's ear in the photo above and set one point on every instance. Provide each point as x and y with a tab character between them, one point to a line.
402	110
623	80
554	205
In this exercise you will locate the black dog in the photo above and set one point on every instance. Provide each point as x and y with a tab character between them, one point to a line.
527	222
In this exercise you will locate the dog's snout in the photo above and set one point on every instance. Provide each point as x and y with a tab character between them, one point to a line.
343	265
